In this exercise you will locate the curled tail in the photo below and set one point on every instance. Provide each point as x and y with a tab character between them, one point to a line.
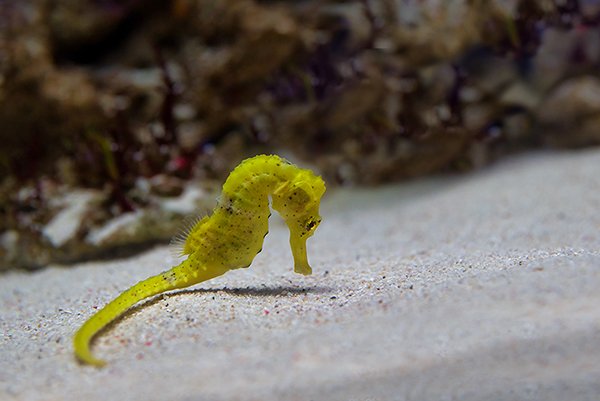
189	272
144	289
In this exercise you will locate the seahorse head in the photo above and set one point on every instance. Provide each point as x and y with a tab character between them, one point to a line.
297	201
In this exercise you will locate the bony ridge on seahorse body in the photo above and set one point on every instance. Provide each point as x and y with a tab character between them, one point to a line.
230	238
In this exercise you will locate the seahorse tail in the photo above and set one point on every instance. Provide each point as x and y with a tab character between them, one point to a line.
144	289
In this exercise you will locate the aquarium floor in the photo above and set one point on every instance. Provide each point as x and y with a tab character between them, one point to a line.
478	287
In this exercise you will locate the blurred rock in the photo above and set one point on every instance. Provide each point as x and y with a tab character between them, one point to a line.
77	231
522	95
572	100
165	185
65	225
570	115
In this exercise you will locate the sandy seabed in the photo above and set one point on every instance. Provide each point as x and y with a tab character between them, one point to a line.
479	287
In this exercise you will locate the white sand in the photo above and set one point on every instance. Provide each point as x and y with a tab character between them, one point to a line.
484	287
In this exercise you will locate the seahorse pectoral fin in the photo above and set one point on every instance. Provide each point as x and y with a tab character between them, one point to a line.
298	245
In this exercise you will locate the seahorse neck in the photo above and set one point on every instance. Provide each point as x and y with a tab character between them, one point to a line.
261	175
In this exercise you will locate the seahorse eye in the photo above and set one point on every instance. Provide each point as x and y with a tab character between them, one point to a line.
312	224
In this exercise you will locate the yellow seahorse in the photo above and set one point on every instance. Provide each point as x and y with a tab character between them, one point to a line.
230	238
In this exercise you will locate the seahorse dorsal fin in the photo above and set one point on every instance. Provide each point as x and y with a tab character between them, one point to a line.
188	226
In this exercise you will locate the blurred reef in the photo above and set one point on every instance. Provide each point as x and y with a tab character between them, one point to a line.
118	117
